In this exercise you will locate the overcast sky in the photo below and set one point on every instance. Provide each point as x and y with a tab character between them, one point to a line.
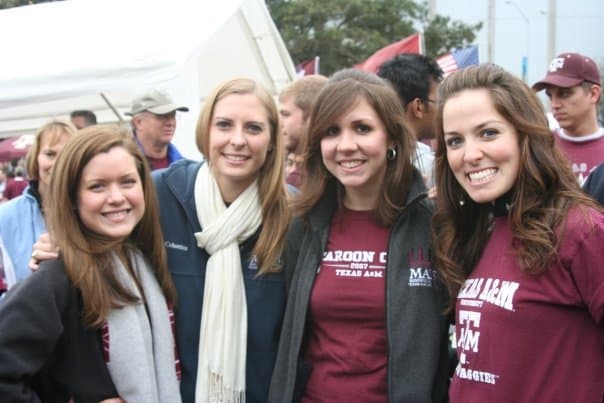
579	28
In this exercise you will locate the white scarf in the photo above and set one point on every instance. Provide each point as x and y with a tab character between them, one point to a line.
223	331
141	356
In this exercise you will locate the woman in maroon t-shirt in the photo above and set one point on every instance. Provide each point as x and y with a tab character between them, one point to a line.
364	319
518	245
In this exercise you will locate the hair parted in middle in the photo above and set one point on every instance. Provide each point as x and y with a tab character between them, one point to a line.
540	199
87	255
344	90
271	186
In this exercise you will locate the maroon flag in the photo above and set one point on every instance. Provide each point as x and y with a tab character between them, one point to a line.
308	67
410	44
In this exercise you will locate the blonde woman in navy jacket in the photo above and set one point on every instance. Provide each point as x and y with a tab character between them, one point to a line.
364	319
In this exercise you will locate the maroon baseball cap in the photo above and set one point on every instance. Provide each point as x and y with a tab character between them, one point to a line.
568	70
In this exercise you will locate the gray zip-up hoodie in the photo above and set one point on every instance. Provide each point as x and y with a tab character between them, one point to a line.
415	301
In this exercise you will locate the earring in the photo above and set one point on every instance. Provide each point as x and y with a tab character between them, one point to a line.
391	154
462	202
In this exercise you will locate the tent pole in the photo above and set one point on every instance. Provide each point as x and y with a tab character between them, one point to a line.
110	105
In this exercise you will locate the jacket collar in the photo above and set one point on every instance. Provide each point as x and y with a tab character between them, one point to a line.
320	215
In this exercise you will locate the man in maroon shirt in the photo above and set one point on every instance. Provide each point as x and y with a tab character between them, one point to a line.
573	86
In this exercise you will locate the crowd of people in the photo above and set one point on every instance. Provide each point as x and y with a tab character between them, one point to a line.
328	247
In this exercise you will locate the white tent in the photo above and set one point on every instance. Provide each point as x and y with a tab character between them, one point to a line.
60	56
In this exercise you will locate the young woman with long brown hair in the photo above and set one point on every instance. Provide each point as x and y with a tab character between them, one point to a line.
364	318
519	246
95	324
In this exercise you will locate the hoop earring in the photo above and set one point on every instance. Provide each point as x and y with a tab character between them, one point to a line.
391	154
462	202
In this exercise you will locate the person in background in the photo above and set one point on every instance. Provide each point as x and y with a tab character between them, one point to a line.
82	118
95	324
573	86
22	218
295	102
519	246
415	79
154	123
15	184
364	318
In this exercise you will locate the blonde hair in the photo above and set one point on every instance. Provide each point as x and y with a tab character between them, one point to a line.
271	186
54	130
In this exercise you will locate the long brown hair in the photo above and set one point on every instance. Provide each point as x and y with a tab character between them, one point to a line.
543	193
271	186
88	256
342	92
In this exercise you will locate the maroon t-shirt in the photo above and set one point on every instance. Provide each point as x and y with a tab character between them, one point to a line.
158	163
523	338
347	344
585	153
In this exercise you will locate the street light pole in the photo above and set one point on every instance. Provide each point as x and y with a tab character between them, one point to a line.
528	36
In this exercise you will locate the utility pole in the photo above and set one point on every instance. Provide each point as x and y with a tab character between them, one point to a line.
527	28
491	31
551	32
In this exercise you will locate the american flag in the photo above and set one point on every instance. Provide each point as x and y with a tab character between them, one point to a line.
458	59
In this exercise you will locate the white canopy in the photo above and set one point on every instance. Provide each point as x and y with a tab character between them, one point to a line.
59	56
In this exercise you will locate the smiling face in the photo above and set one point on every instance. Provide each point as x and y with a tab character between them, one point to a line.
239	142
110	198
354	151
482	147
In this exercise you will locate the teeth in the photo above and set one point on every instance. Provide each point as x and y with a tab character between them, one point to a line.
116	214
351	164
236	157
482	175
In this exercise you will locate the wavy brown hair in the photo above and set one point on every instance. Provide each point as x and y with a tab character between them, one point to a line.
344	90
543	193
88	255
271	186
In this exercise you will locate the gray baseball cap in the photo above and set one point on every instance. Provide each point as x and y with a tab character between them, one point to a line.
155	101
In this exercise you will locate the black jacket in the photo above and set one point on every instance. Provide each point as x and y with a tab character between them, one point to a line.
594	185
46	354
415	301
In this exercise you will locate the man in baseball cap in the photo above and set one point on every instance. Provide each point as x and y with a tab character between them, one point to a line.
572	84
154	123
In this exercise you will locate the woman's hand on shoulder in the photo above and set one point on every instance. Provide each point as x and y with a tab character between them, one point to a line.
44	249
